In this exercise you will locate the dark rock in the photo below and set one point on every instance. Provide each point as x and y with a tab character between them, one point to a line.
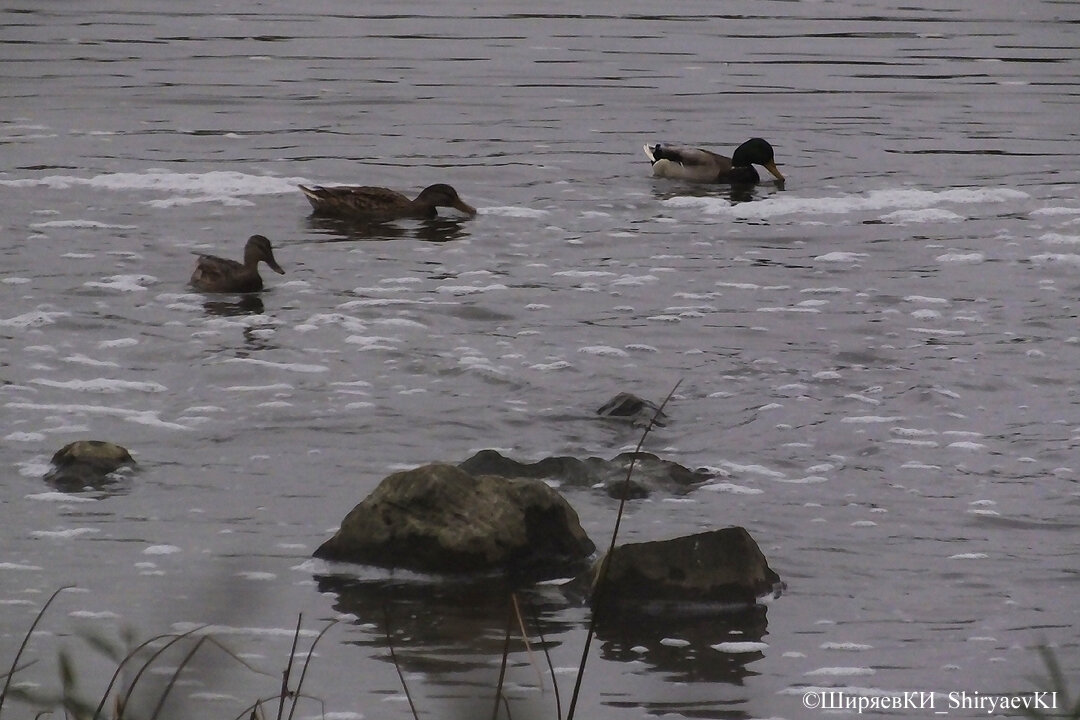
87	464
717	568
639	412
650	472
565	469
440	518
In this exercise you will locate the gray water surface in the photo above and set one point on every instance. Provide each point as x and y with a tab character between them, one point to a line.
878	360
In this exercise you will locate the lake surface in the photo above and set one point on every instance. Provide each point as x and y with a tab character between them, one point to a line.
878	361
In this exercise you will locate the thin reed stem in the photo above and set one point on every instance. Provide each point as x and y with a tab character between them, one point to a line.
601	575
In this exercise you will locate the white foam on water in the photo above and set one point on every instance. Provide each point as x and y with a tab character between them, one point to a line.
161	550
966	445
348	322
751	469
31	437
1059	239
727	487
635	280
1057	210
841	671
969	258
34	319
373	342
911	217
583	273
870	419
256	575
1056	259
141	417
273	387
512	211
64	534
552	366
53	496
917	465
603	350
887	200
469	289
846	646
80	224
788	309
807	480
400	322
738	648
123	283
223	186
19	566
196	630
101	385
674	642
841	257
291	367
79	359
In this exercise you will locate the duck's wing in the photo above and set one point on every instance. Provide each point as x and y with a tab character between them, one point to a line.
355	200
683	161
217	273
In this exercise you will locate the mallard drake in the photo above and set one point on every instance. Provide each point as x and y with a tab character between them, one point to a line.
690	163
378	203
215	274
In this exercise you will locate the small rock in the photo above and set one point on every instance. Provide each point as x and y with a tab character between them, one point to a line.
720	567
639	412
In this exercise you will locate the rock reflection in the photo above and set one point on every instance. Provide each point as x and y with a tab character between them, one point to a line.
679	641
72	480
450	620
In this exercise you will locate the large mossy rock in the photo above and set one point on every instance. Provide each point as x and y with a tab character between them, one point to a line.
87	464
720	567
439	518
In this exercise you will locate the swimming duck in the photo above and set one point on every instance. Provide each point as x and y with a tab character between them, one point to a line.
378	203
215	274
690	163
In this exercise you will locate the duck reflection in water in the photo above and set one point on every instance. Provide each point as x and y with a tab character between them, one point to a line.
247	304
436	229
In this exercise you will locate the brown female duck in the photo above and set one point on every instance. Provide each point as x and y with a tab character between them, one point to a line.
378	203
691	163
215	274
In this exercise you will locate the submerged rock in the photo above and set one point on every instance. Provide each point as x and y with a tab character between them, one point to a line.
638	411
87	464
650	472
440	518
721	567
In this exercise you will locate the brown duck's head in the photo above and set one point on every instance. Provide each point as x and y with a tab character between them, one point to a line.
442	195
258	248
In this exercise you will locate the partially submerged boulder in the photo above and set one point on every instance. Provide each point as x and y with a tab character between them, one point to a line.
440	518
639	412
651	473
87	464
721	567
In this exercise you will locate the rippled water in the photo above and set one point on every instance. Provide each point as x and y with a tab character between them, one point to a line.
878	360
